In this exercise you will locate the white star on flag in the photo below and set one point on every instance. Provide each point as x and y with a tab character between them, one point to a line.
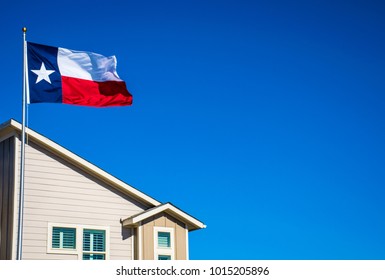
43	73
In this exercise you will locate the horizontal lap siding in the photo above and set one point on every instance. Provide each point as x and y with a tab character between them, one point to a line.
57	192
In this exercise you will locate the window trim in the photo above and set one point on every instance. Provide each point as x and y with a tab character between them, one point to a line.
65	251
161	250
79	239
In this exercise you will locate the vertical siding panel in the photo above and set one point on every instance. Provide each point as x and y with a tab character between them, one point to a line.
160	220
148	240
180	236
164	220
16	186
11	168
180	242
2	187
6	197
136	243
169	221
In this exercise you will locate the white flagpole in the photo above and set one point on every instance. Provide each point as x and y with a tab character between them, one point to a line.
22	161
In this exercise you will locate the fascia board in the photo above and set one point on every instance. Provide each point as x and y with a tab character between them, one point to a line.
167	208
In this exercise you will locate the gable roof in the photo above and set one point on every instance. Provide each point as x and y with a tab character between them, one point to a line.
191	222
13	127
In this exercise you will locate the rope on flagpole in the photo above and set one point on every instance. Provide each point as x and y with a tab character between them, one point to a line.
22	161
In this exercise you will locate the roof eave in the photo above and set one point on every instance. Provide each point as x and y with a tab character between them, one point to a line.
76	160
191	222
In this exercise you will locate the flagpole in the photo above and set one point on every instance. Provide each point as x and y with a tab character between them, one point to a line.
22	161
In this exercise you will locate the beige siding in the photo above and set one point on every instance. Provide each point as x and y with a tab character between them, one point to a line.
163	220
181	242
148	241
136	244
57	192
7	163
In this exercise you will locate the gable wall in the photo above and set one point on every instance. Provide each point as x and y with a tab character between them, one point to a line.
163	220
57	192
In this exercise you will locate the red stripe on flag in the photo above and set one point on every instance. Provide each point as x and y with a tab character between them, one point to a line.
97	94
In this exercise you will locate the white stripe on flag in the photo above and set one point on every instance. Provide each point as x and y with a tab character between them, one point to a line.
87	65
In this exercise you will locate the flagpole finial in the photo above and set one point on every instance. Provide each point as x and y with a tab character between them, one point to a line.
24	29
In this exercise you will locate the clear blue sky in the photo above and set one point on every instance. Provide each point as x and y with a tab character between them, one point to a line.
264	119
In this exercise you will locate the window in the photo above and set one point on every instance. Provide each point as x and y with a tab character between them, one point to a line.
87	242
164	243
164	240
63	238
94	244
164	257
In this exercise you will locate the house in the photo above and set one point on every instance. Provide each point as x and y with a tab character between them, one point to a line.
75	210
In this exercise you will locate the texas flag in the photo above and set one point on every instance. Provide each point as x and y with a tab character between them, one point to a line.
60	75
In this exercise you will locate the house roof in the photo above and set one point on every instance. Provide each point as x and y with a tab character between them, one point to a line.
13	127
191	222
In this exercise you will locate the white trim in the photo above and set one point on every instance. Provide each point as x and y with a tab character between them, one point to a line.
79	239
132	244
168	208
51	250
164	251
140	242
15	198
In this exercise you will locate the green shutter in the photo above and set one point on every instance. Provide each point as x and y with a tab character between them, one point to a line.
93	256
164	257
164	239
94	241
63	238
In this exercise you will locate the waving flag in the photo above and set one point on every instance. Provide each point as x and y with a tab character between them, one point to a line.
60	75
